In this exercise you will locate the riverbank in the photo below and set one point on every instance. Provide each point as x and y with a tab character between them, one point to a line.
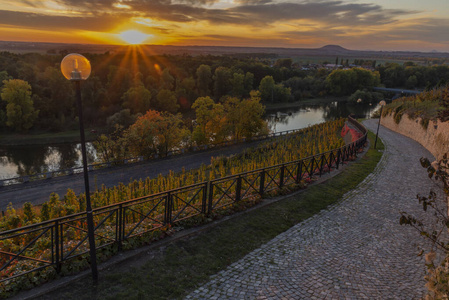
72	136
44	138
314	101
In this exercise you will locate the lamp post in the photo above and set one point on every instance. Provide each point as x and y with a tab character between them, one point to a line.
76	67
382	103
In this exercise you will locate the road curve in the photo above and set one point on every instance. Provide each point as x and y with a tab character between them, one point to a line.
356	249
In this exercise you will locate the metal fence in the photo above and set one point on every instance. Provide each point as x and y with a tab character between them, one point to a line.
53	243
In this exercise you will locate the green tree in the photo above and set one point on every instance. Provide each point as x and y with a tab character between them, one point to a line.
167	80
238	85
222	82
166	101
137	99
123	118
204	79
20	111
266	89
281	93
185	92
4	77
411	82
57	106
346	82
284	62
249	82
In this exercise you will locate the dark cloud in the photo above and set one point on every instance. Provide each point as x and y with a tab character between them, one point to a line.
252	2
104	15
57	23
424	29
197	2
249	12
331	12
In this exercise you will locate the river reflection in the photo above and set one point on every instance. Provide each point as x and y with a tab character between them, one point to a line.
300	117
25	160
31	159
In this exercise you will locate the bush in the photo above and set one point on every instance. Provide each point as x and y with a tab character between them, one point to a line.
437	273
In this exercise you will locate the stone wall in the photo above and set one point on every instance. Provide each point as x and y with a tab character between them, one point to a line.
435	138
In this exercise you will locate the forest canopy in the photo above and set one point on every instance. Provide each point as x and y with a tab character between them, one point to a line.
129	84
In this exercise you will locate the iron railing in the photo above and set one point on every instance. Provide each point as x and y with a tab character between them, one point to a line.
65	238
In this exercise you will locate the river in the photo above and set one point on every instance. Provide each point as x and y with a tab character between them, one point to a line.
24	160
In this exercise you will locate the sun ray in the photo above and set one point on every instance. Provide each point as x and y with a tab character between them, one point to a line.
134	37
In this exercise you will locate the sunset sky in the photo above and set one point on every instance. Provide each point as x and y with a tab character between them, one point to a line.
364	25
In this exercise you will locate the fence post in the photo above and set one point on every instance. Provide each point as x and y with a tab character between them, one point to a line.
57	254
120	226
299	171
168	208
204	200
311	167
238	189
321	164
281	179
211	197
262	182
338	158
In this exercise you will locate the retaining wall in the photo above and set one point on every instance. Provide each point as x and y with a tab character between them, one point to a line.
435	138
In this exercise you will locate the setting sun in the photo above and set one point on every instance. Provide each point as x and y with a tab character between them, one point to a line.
134	37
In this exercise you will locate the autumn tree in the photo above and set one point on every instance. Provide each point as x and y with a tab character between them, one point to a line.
155	133
210	119
171	132
20	111
113	146
244	118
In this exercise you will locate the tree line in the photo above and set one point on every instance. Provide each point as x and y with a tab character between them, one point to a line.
124	86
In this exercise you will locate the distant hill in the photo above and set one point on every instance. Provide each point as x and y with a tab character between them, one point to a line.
269	52
333	48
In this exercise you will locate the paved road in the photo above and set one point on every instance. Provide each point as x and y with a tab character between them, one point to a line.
354	250
39	191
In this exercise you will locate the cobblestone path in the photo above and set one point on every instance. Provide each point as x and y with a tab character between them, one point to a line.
354	250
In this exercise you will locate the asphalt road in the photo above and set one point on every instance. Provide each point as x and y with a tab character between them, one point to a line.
37	192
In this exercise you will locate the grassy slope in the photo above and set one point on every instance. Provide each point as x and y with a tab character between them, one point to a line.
186	264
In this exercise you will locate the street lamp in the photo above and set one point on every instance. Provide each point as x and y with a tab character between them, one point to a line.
382	104
76	67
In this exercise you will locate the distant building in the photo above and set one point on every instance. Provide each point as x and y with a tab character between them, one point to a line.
332	66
